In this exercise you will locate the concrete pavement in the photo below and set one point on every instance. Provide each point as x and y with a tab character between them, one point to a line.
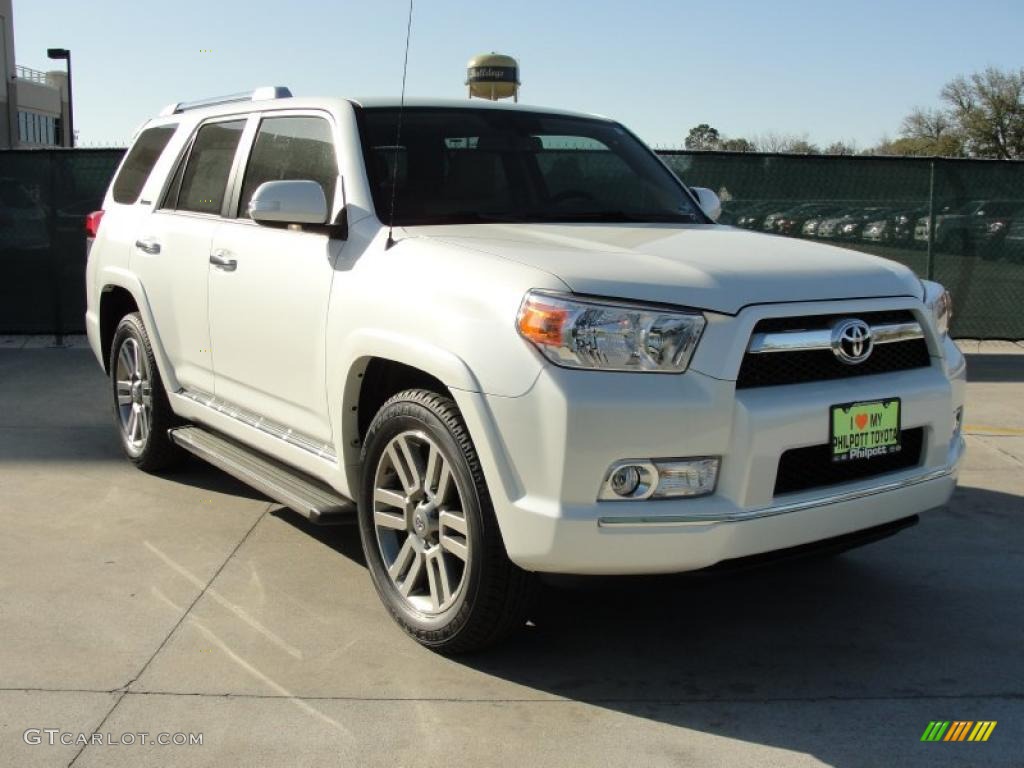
190	604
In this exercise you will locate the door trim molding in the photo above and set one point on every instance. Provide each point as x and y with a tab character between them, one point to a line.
262	423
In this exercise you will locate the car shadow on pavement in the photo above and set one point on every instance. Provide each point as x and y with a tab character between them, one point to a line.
920	626
341	536
196	473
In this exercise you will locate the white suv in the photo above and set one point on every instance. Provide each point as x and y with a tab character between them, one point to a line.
554	362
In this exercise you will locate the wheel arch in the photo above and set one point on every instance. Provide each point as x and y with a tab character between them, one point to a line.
379	366
123	291
115	302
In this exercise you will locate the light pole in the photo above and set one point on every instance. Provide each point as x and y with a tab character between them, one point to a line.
64	53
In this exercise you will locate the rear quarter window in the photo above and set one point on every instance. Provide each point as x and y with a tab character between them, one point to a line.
140	161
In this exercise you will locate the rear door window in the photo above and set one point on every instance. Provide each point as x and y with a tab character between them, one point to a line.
205	178
291	149
140	161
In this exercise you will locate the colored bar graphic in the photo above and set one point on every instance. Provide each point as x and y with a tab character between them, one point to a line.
958	730
935	730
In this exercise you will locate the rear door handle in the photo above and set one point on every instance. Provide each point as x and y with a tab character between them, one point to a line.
148	245
222	260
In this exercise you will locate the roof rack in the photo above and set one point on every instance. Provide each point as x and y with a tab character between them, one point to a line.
260	94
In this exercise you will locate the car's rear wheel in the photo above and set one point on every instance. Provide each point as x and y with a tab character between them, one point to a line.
429	532
142	413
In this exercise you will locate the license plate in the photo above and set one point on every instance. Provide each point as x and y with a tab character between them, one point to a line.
860	431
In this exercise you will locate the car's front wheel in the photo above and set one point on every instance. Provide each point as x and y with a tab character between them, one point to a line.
429	532
142	413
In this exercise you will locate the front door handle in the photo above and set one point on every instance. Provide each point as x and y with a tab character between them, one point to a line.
222	260
148	245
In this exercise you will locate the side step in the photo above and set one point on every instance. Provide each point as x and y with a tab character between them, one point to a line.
280	482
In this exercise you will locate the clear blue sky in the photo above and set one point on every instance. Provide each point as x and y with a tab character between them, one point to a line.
831	70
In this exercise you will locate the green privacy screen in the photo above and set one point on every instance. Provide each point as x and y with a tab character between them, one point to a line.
44	198
960	222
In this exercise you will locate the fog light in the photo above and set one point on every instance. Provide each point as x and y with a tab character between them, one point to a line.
625	480
638	479
630	479
692	477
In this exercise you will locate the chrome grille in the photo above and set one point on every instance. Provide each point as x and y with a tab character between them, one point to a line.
794	350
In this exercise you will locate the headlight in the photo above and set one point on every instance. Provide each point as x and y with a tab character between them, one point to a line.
849	227
608	335
940	302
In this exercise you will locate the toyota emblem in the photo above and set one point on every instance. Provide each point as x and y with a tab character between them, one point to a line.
851	341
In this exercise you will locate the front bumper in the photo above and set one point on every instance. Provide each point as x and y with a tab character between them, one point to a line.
546	454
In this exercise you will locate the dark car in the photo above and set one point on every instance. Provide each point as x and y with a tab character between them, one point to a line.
792	222
989	225
951	225
850	226
895	227
828	225
770	222
783	219
753	217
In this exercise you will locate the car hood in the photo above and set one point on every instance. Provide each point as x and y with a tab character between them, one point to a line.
713	267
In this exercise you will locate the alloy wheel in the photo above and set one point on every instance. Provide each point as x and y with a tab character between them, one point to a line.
134	396
420	523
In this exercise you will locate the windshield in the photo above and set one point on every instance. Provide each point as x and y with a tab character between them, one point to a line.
490	165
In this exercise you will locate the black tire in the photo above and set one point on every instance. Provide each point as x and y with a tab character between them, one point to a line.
155	452
494	595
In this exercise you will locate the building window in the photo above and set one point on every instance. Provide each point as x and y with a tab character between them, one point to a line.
34	128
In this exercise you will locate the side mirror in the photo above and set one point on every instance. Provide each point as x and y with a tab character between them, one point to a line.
709	202
289	202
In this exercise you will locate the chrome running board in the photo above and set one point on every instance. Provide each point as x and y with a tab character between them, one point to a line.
283	484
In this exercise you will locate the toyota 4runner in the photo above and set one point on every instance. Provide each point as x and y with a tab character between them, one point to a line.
509	340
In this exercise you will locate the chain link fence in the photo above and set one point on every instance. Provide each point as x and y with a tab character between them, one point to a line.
960	222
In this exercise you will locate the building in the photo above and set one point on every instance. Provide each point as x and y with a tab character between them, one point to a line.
33	104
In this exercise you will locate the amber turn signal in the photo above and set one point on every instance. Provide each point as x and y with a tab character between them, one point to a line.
542	323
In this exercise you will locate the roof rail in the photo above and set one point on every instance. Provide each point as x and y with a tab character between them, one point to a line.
260	94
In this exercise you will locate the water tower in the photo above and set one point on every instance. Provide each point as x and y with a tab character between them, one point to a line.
493	76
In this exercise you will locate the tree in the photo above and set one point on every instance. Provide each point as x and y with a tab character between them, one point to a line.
988	108
982	116
787	143
738	145
930	132
803	147
703	136
841	148
903	147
